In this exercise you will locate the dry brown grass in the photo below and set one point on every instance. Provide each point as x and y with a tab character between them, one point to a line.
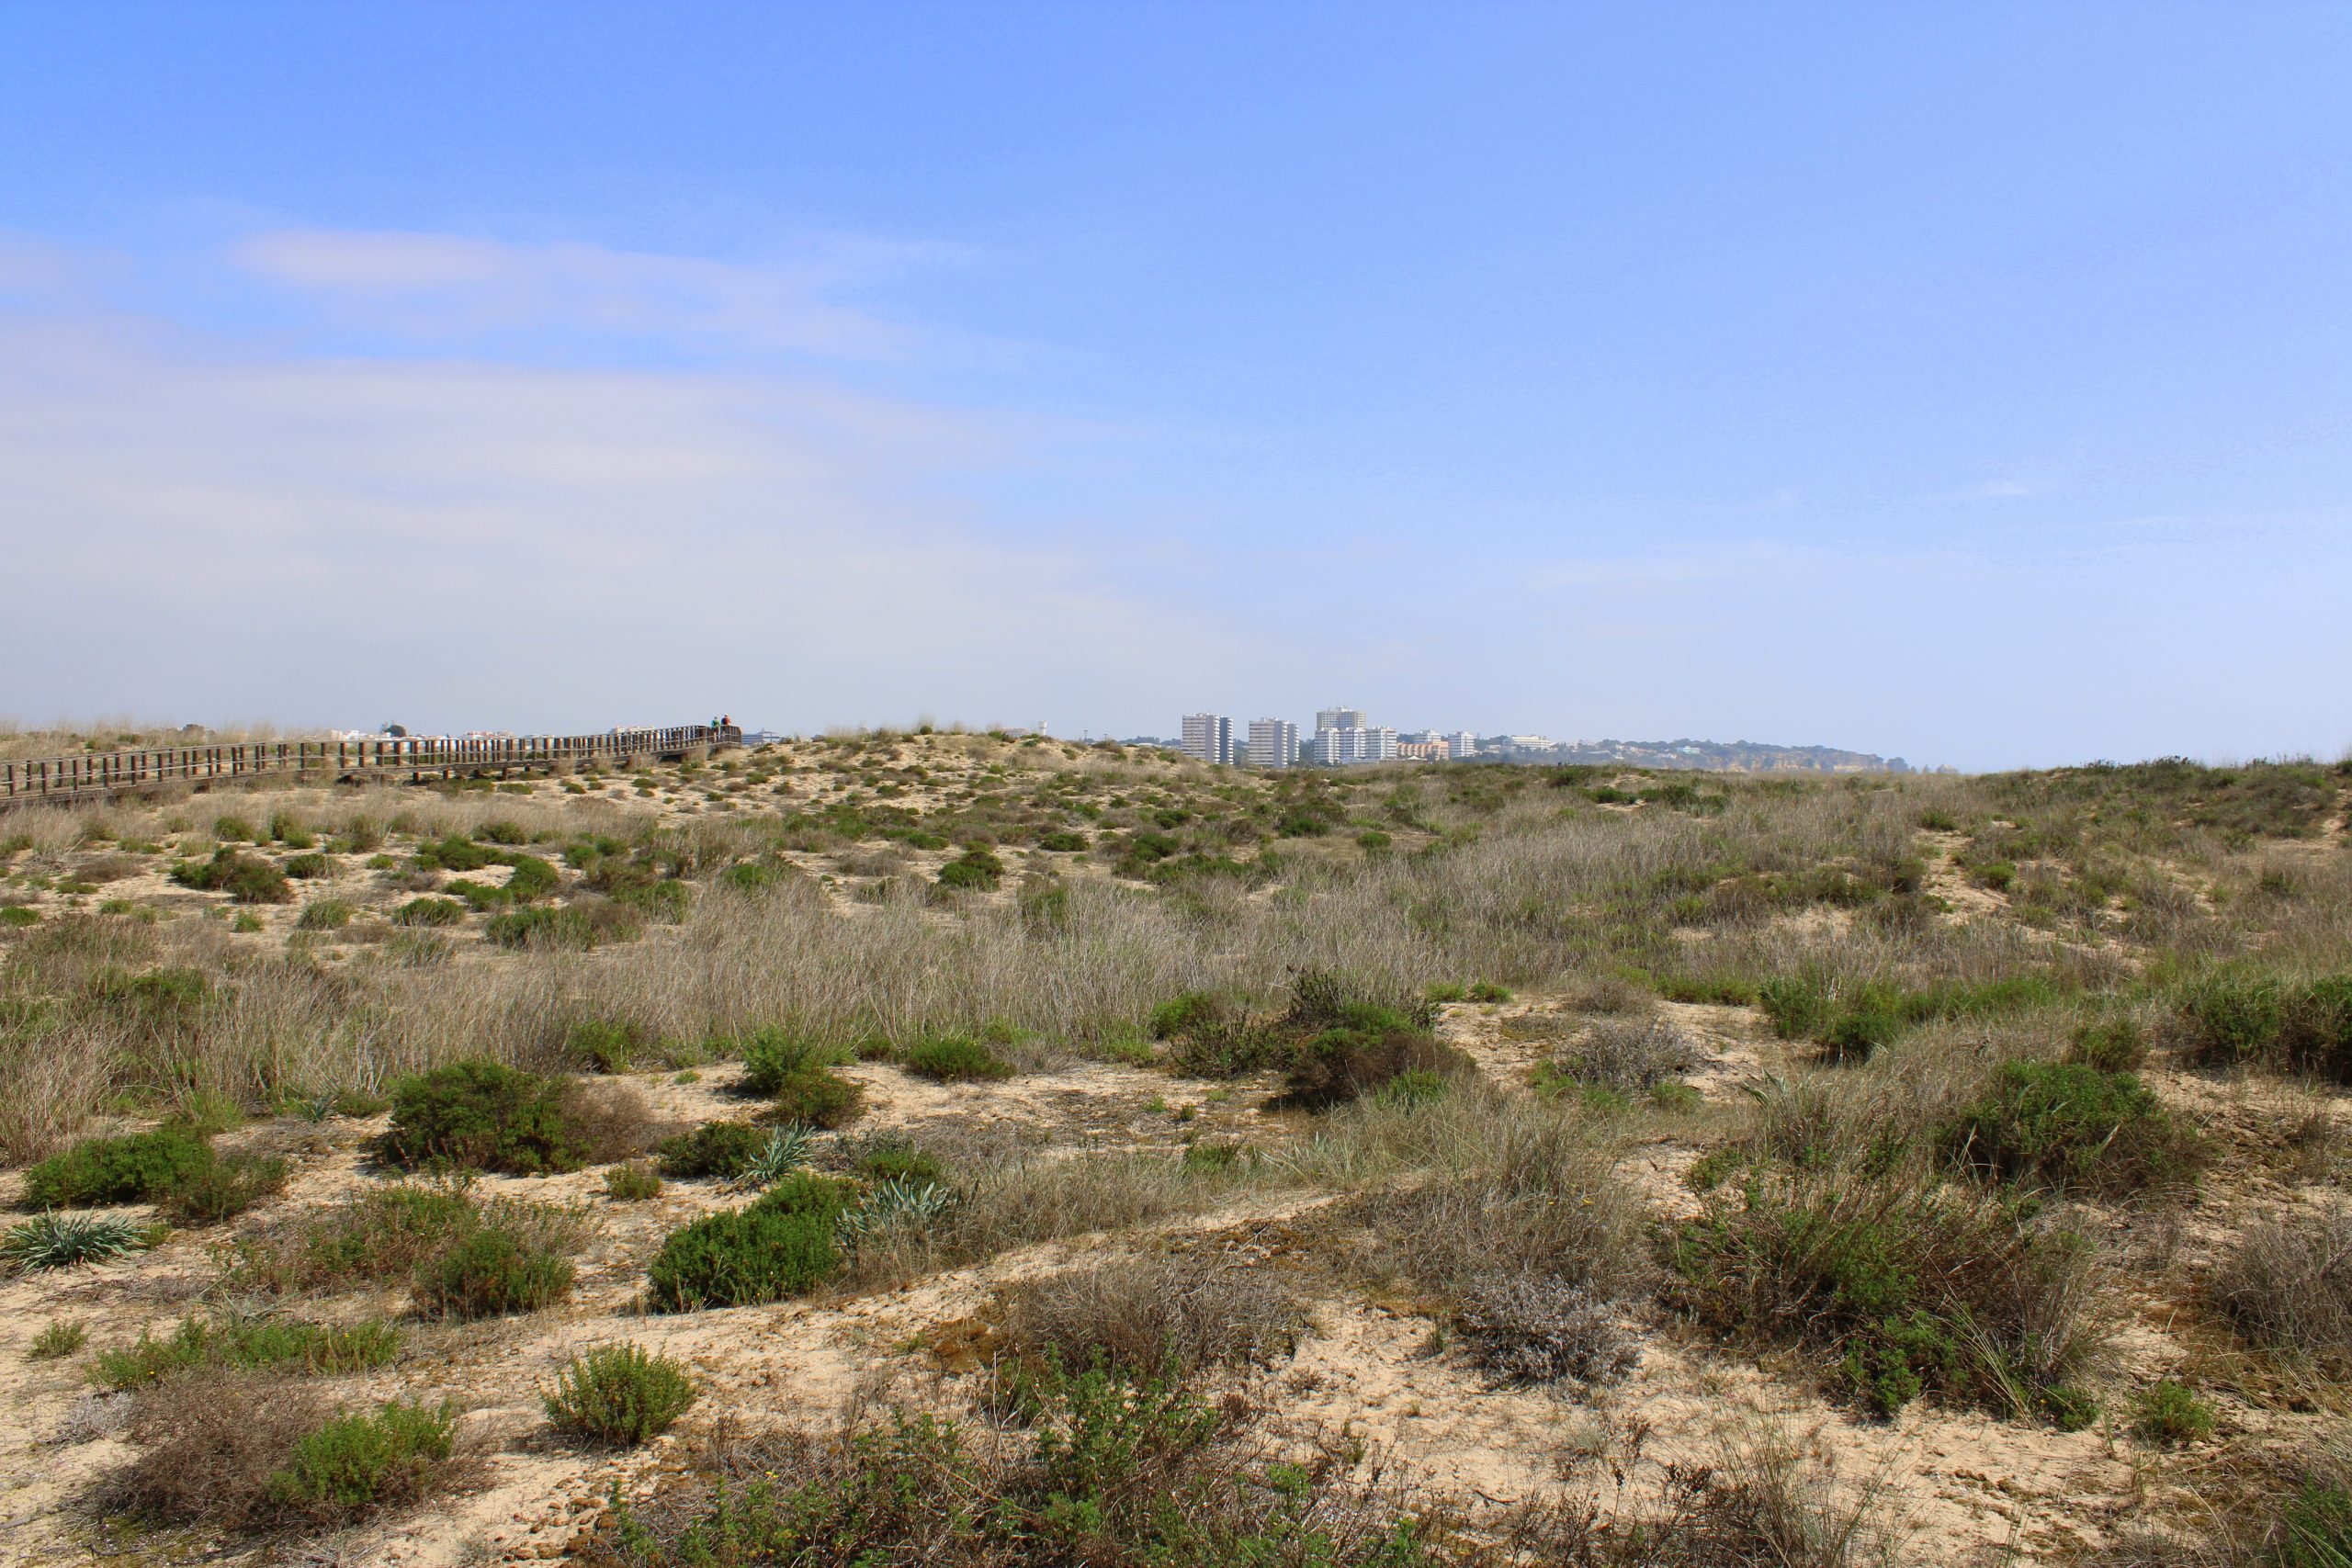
2287	1283
1198	1310
209	1441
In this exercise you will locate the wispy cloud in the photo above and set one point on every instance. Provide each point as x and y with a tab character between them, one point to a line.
450	286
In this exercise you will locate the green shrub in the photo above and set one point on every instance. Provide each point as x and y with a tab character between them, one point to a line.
232	830
493	1272
2111	1045
1484	991
714	1148
895	1159
18	916
2068	1125
454	853
57	1341
138	1167
2316	1528
955	1059
484	1115
248	1343
1911	1287
356	1463
544	928
1185	1013
308	868
1346	1063
501	833
634	1182
223	1188
2171	1415
2238	1018
248	879
1062	841
976	869
288	830
816	1096
621	1394
326	915
1444	992
770	1055
429	912
606	1047
745	1256
531	879
664	901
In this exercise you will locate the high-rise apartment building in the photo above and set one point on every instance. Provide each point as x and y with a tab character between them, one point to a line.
1461	743
1338	718
1273	743
1208	737
1337	745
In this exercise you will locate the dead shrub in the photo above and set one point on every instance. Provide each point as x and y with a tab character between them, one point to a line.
1136	1313
613	1119
2287	1285
1627	1055
208	1442
1536	1329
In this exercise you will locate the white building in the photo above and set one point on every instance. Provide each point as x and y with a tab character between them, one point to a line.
1338	718
1344	746
1273	743
1208	737
1461	743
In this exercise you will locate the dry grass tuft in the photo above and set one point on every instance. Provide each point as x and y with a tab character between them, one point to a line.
1199	1310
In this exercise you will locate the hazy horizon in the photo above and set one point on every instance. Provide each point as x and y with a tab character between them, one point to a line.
1964	384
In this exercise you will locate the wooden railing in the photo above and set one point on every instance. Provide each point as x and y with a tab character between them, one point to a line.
113	772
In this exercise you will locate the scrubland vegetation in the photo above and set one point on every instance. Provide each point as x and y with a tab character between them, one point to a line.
935	1148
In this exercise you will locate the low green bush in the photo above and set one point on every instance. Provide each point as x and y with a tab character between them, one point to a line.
57	1341
714	1148
223	1187
1062	841
619	1394
2111	1045
770	1056
137	1167
975	871
954	1058
816	1096
429	912
782	1246
2068	1126
484	1115
248	879
2299	1026
357	1462
895	1159
1912	1287
633	1182
248	1343
544	928
491	1273
2170	1414
603	1046
326	915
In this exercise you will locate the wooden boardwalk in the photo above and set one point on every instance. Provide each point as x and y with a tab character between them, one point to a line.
102	773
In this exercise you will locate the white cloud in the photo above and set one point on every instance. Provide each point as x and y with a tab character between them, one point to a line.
474	542
452	287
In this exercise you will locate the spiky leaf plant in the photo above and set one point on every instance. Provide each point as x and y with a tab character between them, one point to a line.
786	1151
61	1241
894	1205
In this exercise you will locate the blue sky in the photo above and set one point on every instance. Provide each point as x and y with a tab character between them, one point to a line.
1971	383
